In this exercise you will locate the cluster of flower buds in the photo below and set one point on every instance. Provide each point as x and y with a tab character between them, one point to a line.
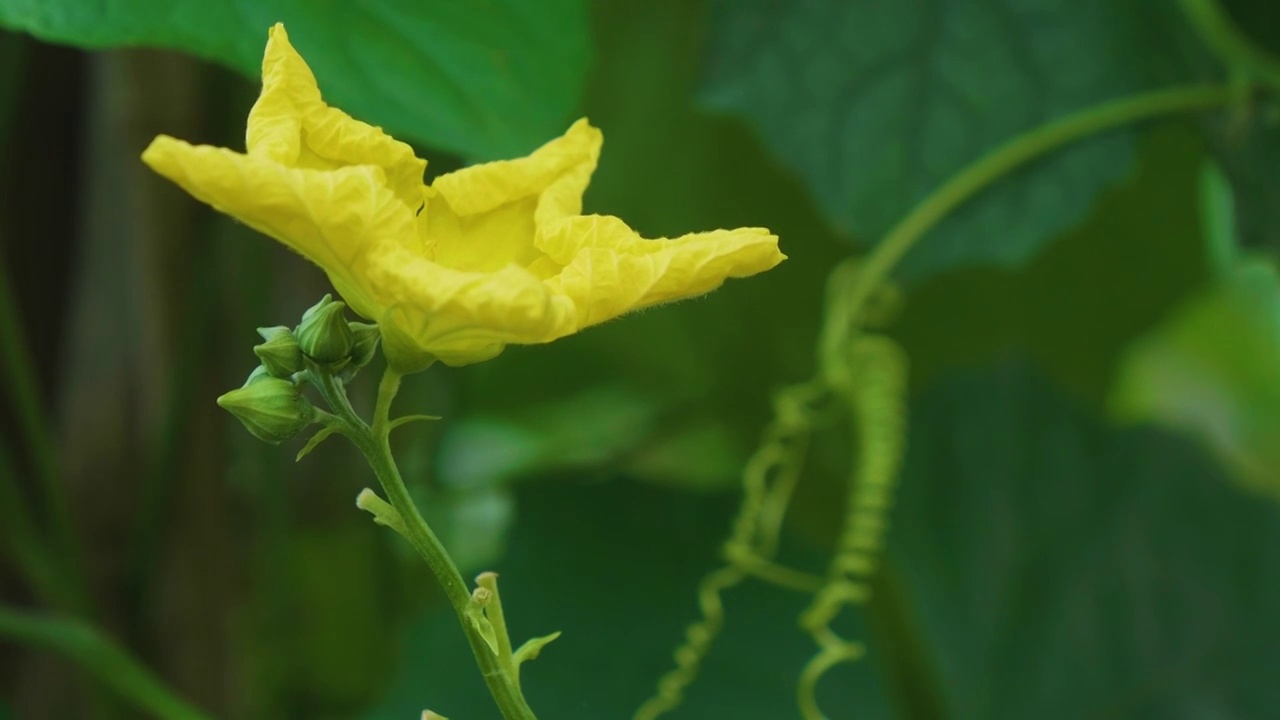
270	403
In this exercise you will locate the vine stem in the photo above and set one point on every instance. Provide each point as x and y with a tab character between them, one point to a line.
104	659
1221	35
983	172
373	440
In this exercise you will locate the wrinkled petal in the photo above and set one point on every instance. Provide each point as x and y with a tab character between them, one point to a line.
291	124
556	173
483	217
330	217
490	255
610	270
464	317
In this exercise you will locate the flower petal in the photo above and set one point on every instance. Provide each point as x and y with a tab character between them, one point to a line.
611	270
463	317
556	173
291	124
333	218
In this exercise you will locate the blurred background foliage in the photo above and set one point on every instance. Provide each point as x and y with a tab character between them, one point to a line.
1086	524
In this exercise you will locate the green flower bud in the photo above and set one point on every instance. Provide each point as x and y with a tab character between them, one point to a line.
270	408
259	373
280	354
365	344
324	335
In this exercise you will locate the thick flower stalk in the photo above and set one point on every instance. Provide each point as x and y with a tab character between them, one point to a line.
490	255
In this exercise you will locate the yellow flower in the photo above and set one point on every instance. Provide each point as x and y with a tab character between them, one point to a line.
492	254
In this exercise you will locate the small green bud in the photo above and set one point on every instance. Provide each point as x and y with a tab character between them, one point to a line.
270	408
365	344
259	373
280	354
324	335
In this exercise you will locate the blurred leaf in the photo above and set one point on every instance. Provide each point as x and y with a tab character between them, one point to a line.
614	566
1218	215
603	426
473	523
876	104
485	78
1259	20
1246	144
584	429
342	629
1213	369
701	456
1078	304
1061	570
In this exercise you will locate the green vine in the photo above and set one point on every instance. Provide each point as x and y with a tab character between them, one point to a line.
868	373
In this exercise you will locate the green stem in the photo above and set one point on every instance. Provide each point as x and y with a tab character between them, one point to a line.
374	442
20	379
991	167
1232	46
101	657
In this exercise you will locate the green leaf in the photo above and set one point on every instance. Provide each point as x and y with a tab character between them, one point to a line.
321	435
876	104
475	616
1058	569
1076	307
588	429
410	418
532	648
484	79
382	511
1212	369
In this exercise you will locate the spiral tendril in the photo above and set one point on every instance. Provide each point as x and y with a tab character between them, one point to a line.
877	404
769	479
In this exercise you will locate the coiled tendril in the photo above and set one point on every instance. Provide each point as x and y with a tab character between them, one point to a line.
868	373
768	480
877	403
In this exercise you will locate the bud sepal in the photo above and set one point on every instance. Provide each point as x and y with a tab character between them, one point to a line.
324	335
272	409
280	354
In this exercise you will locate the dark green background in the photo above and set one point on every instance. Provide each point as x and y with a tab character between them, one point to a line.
1043	561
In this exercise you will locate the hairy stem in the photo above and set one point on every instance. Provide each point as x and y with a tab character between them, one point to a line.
374	442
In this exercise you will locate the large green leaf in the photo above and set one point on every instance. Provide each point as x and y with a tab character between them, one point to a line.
875	104
483	78
1062	570
1075	308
